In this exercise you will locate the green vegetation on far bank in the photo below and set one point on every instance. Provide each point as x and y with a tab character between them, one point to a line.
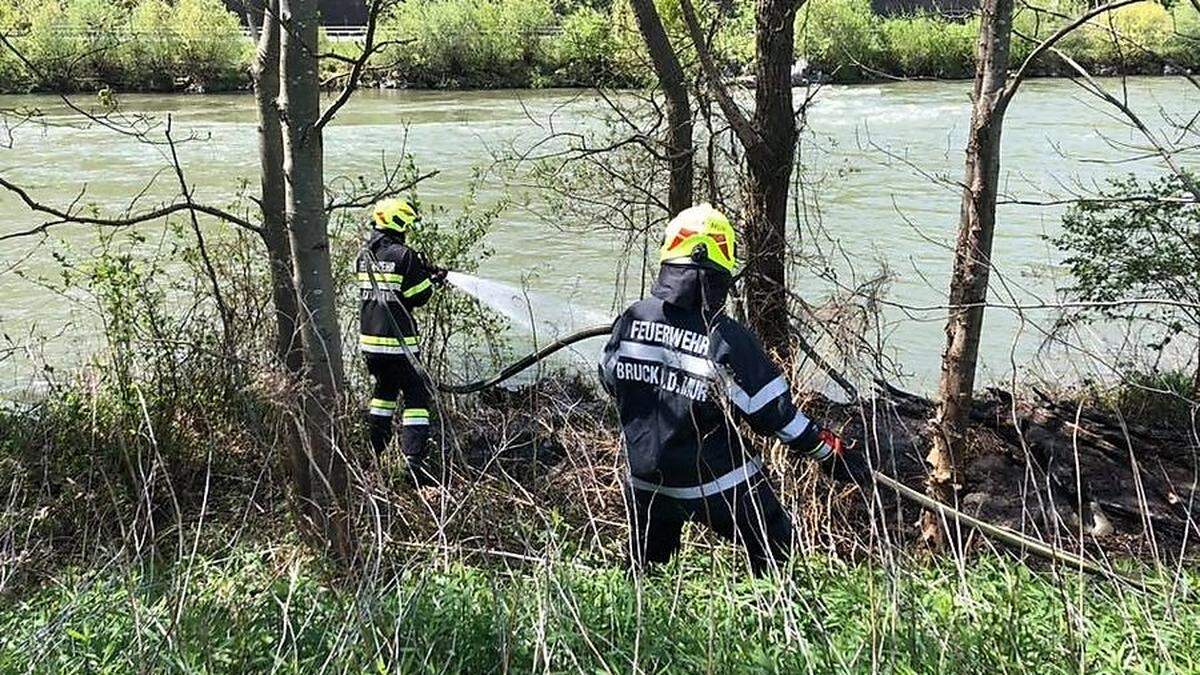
168	45
272	609
145	45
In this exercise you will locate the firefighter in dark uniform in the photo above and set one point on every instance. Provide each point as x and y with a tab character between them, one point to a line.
684	376
394	280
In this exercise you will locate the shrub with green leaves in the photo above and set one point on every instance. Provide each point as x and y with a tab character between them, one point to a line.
210	42
583	52
928	46
843	38
1128	36
1138	239
484	43
1183	46
152	54
162	44
140	45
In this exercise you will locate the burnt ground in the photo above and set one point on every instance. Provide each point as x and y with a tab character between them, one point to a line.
536	471
1058	470
1062	468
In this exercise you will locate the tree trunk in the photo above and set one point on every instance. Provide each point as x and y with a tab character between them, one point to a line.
265	75
769	176
972	256
273	203
320	337
1196	379
679	109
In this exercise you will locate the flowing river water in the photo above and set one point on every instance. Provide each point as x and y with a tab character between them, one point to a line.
878	160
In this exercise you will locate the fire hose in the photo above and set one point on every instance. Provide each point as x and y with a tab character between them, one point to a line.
1011	537
526	362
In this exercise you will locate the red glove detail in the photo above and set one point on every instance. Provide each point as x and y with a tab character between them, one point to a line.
832	440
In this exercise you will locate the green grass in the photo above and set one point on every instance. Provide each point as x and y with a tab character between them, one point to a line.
255	611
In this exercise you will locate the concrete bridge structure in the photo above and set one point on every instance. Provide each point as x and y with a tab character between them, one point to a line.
333	12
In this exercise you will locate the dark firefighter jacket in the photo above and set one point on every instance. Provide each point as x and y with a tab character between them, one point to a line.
393	281
684	375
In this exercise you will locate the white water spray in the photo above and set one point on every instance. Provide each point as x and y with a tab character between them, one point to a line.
546	317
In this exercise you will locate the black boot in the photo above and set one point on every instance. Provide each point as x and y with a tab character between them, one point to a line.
379	432
414	441
420	473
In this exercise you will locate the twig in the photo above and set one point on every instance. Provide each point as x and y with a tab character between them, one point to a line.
67	217
1010	89
751	140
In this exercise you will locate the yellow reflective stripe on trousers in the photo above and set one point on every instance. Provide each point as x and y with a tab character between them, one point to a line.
378	344
414	417
382	407
417	289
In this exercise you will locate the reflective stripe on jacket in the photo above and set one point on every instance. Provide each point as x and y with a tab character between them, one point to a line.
392	281
684	375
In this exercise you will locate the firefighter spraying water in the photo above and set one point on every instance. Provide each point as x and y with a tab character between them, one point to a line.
395	280
686	378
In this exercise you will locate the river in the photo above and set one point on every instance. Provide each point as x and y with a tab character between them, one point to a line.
871	153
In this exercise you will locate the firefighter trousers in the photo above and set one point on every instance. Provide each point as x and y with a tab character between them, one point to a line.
748	514
400	388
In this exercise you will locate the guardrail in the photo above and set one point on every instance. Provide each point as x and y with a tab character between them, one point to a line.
334	33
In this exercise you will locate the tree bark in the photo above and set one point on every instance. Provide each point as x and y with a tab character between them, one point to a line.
972	257
273	200
320	338
273	204
1196	379
679	110
769	175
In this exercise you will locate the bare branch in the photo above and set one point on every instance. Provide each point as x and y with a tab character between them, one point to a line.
357	66
746	133
209	269
363	201
1014	83
1166	154
63	217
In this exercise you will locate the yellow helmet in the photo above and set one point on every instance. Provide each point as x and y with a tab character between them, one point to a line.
395	214
700	227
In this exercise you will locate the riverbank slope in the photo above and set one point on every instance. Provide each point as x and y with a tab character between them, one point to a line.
197	45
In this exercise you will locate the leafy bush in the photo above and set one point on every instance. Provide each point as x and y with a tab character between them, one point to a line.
211	47
1183	47
1030	25
49	54
151	54
583	52
1123	36
842	37
147	44
156	44
926	46
485	43
1138	240
735	40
